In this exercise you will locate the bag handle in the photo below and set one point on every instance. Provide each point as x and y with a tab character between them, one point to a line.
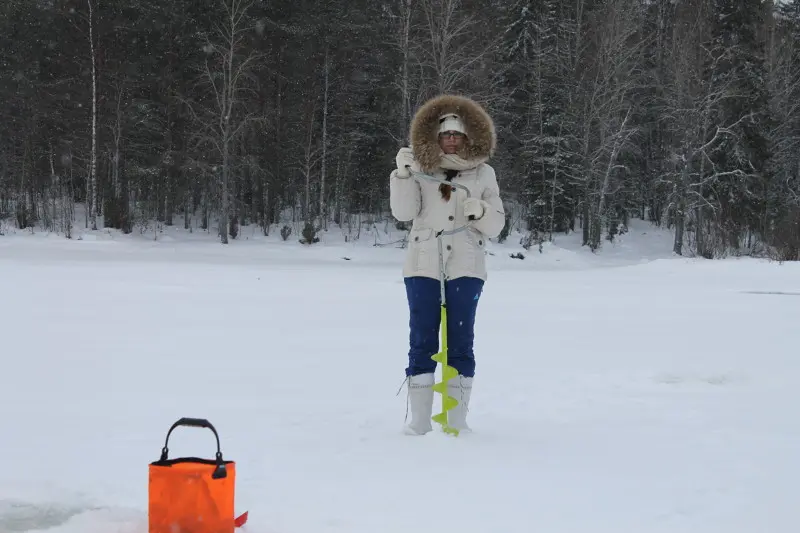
220	471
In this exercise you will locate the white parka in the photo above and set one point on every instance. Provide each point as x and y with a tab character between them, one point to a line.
421	201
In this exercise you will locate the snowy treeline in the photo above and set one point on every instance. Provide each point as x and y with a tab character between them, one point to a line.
684	112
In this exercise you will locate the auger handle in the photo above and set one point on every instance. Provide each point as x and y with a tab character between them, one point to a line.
428	177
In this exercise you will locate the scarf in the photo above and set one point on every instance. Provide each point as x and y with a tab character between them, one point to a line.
458	163
452	165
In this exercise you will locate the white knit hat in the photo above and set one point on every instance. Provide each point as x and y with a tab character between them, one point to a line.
451	122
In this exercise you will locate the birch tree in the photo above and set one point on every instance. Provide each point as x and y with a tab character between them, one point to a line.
690	97
606	114
326	67
228	72
451	53
93	196
403	40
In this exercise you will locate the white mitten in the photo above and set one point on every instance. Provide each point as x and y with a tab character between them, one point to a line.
404	157
474	207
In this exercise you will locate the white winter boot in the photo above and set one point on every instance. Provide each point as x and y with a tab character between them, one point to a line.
420	396
460	388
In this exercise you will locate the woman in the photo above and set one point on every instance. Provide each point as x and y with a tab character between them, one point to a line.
452	137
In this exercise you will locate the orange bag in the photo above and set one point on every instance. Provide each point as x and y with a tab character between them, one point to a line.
192	495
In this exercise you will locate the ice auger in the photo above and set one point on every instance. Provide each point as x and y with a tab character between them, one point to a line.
448	372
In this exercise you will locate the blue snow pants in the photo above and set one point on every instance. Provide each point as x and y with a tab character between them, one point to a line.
424	303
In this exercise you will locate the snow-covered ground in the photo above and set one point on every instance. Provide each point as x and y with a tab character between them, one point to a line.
628	391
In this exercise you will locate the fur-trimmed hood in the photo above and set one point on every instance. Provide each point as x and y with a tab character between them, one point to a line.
481	136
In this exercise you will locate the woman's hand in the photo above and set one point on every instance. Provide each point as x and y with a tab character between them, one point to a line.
405	157
473	207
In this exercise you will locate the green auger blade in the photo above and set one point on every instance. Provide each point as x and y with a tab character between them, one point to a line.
449	402
448	373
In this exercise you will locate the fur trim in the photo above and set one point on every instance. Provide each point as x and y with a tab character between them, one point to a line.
481	136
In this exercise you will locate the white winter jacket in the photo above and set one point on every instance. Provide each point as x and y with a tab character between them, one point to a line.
421	201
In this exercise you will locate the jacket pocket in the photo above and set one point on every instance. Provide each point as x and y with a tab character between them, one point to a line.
422	250
477	246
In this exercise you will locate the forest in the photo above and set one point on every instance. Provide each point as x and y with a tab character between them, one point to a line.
288	114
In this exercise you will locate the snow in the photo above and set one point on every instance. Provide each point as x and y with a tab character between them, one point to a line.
628	391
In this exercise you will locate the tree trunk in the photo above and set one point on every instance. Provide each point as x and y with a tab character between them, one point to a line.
322	218
92	187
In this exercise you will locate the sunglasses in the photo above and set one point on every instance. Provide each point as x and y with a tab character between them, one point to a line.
456	134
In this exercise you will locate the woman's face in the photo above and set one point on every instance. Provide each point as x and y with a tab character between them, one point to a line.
451	141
